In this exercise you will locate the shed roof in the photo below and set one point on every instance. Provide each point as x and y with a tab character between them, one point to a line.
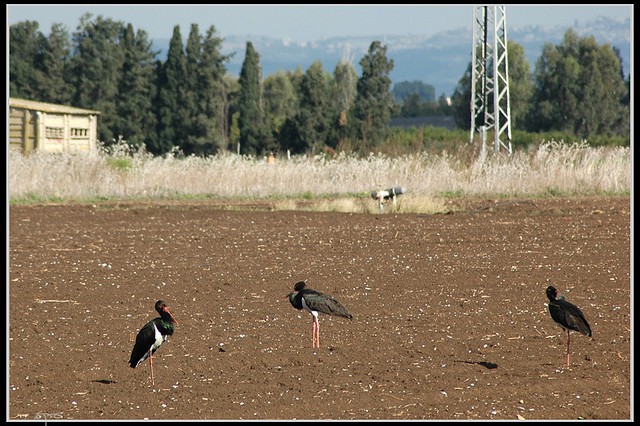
47	107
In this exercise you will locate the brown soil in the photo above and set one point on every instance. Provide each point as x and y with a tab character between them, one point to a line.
450	317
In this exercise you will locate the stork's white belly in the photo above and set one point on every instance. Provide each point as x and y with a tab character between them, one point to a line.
159	338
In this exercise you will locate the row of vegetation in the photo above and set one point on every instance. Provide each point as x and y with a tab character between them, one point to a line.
119	172
189	102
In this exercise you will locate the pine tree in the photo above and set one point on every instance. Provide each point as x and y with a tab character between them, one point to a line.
209	124
312	119
231	88
190	92
374	101
54	79
171	112
96	68
25	57
253	137
137	86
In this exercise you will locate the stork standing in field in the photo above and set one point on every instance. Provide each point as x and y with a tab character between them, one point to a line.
567	315
316	302
382	195
151	336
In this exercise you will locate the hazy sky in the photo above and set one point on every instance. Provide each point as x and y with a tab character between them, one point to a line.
305	22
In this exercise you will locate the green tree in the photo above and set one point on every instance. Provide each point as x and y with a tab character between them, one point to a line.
25	56
171	111
53	80
234	131
312	120
343	94
374	101
280	101
461	100
579	89
203	94
96	66
213	89
425	92
520	90
345	85
253	135
296	78
555	101
190	93
520	85
231	111
136	119
603	89
412	106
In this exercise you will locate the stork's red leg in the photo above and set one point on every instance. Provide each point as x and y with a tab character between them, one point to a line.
568	346
151	363
315	340
313	333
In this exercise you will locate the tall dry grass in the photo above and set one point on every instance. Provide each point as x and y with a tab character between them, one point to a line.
551	169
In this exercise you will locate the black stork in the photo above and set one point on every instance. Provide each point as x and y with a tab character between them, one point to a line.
567	315
151	336
316	302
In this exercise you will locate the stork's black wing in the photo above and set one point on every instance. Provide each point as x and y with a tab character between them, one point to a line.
569	316
324	303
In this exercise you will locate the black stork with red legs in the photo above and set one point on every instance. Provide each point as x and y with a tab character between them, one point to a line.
151	336
568	316
316	302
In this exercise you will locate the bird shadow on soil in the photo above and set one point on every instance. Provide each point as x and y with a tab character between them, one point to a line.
487	365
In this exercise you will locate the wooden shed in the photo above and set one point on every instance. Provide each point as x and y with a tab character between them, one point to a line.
51	127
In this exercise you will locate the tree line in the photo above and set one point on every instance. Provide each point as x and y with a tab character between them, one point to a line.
577	87
189	101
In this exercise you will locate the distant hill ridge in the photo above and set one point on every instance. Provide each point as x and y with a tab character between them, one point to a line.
439	60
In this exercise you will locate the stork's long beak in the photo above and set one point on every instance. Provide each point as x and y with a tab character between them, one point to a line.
170	314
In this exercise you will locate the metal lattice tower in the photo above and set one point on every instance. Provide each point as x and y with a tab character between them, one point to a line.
490	106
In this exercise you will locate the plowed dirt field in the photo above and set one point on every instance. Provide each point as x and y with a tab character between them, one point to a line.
450	318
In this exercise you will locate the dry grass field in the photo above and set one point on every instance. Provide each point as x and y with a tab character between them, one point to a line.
450	318
551	168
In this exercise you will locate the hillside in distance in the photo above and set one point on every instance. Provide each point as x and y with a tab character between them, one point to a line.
439	60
